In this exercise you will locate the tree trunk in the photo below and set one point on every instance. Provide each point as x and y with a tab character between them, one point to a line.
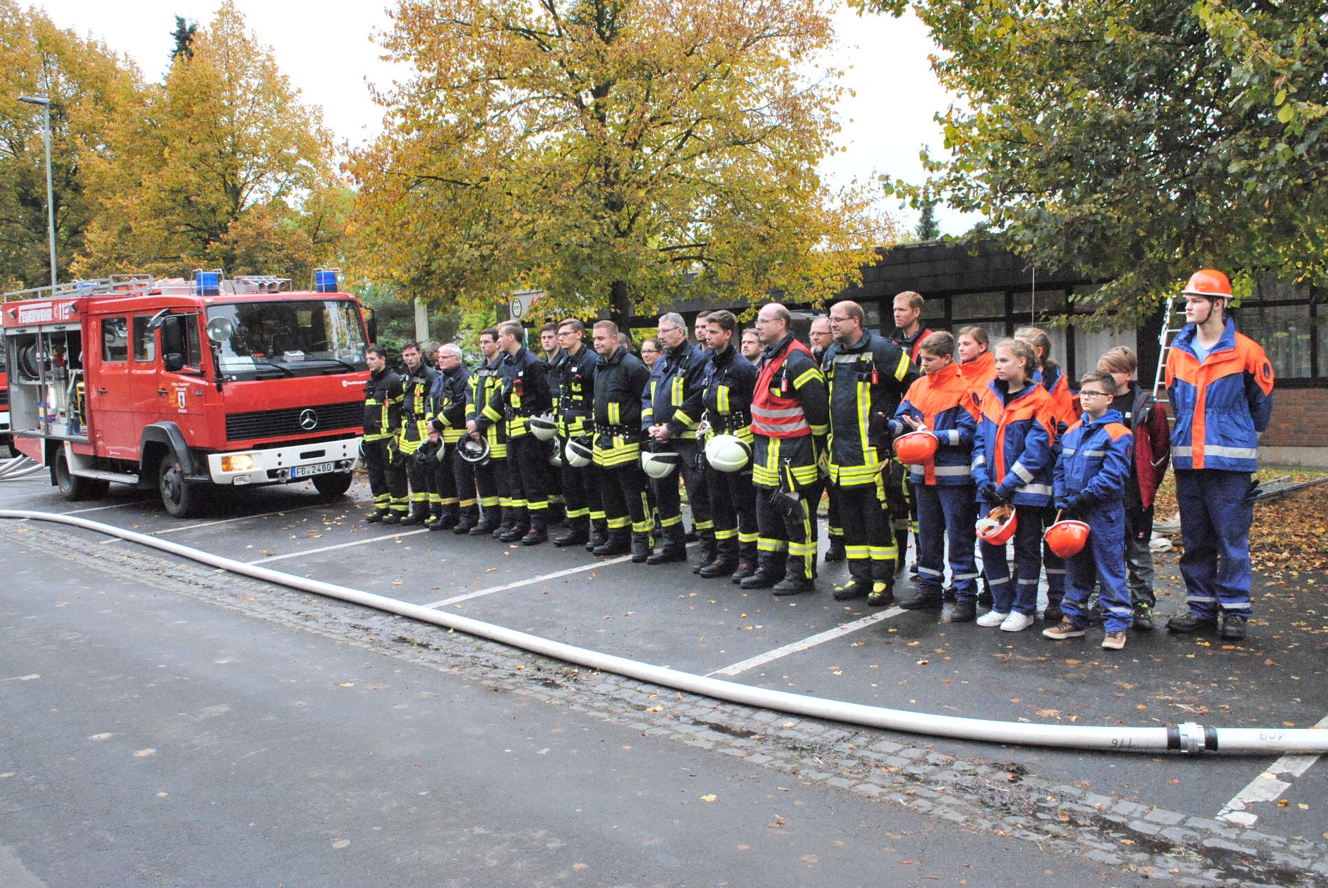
620	306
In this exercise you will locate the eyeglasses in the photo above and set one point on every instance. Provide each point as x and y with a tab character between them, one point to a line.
650	350
835	320
1088	394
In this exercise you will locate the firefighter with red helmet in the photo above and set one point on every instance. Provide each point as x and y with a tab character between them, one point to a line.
1220	387
790	419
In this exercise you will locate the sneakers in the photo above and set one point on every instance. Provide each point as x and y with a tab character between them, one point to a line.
1114	641
1233	628
992	619
1016	622
1064	630
964	612
851	590
881	595
1183	624
1143	617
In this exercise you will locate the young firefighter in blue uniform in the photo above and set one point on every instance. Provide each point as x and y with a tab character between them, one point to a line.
1220	386
1091	474
941	403
1013	458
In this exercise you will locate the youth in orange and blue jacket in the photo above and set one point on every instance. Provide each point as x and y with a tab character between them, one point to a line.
1091	473
943	485
1013	461
1222	400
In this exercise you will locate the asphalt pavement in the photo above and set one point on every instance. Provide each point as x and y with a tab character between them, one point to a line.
191	728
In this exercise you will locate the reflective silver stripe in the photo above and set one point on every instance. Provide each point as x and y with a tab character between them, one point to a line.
771	429
1024	474
1043	489
847	359
954	437
776	414
1181	451
950	470
1232	452
979	460
1095	453
1068	451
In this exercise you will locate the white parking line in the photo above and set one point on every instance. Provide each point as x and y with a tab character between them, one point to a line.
281	512
112	506
392	536
553	576
1266	787
809	642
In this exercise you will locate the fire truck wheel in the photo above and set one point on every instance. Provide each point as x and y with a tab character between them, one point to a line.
73	487
333	483
179	496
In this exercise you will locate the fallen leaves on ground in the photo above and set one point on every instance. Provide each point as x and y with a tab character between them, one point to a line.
1288	532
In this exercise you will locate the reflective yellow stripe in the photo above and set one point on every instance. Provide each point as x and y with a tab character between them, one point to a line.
902	370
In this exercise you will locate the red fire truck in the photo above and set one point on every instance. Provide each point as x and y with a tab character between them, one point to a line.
180	385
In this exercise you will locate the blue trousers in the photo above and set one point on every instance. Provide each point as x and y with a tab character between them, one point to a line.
1215	527
1101	562
1031	520
943	512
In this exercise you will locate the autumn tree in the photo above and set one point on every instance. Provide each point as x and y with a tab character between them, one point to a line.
610	152
1137	139
87	85
220	166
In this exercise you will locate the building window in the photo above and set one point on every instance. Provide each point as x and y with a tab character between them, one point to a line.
1284	331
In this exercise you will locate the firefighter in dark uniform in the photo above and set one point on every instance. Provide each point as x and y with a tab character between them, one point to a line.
454	478
908	334
620	377
524	393
554	357
490	476
382	417
576	410
790	415
670	412
413	435
729	382
821	340
868	376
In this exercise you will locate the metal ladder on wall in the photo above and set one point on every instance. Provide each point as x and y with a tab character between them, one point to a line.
1170	327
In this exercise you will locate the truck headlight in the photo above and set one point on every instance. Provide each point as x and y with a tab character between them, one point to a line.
240	462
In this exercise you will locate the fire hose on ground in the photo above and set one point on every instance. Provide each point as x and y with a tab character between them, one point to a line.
1187	737
13	469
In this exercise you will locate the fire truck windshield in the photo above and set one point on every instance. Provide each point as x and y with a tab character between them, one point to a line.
290	337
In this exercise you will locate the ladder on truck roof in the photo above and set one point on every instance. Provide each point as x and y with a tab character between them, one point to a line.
114	285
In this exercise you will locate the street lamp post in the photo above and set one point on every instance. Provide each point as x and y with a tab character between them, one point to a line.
45	103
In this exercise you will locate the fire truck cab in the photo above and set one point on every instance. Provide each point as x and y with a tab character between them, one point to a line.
182	386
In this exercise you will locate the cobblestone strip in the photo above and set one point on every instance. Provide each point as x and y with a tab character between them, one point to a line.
894	769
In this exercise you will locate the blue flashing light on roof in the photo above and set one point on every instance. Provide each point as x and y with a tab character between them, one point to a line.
208	282
325	280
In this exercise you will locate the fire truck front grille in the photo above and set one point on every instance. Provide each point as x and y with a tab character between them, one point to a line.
294	421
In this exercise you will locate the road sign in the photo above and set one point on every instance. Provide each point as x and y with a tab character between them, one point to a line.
522	302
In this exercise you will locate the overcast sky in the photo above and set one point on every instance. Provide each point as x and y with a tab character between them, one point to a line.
327	52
